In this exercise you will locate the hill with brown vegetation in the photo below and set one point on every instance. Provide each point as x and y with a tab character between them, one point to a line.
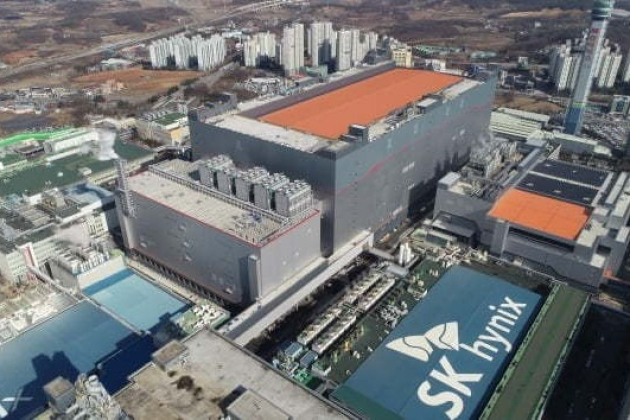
35	29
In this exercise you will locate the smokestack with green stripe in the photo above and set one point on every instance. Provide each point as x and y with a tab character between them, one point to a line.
600	15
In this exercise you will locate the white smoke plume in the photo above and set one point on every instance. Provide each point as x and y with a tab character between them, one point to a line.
76	235
106	139
485	139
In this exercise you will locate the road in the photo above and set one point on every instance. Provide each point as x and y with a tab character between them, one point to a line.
231	13
254	320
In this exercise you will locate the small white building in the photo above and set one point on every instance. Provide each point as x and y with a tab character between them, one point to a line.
403	57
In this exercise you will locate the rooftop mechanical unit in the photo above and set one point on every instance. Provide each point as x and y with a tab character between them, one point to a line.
294	198
264	192
208	169
244	182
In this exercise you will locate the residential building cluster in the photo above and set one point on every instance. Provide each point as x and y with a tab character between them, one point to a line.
260	49
188	53
324	45
565	61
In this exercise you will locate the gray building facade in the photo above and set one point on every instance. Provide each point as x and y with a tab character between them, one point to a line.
365	184
224	247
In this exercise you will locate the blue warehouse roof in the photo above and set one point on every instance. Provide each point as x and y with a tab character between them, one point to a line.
444	359
75	341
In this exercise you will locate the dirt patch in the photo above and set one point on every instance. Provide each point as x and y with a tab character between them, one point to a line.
137	80
542	14
527	103
17	57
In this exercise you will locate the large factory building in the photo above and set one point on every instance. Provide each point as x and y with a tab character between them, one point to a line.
236	238
372	145
529	208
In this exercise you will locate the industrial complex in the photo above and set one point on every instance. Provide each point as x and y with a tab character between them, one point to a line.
269	227
279	212
391	346
529	208
378	243
32	235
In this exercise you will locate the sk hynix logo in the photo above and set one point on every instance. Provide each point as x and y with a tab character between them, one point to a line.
443	336
492	340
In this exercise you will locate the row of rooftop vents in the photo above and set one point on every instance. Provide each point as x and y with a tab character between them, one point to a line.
363	134
77	260
269	191
19	217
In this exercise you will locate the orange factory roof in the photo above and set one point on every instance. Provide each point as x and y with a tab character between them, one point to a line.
541	213
364	102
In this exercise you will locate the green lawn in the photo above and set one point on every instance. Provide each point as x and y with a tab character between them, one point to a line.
536	366
41	136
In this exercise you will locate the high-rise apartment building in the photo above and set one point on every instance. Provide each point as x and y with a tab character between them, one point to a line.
259	49
372	39
564	63
320	42
344	50
293	48
625	76
358	46
610	59
210	52
183	52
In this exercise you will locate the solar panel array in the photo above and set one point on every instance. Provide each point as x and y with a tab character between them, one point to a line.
560	189
576	173
565	181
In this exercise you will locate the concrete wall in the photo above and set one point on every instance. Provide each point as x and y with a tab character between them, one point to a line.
289	253
618	246
469	208
96	274
101	272
564	262
567	265
213	259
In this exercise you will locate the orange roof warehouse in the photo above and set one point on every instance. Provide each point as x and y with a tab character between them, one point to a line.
364	102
